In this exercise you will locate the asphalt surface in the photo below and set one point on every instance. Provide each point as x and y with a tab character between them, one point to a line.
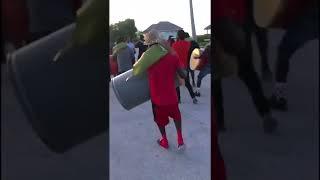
134	153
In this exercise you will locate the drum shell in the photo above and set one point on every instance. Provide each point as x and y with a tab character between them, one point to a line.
132	92
64	101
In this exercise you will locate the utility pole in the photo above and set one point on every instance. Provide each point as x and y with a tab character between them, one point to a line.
192	22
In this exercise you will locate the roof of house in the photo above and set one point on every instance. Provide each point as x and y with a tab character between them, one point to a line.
163	26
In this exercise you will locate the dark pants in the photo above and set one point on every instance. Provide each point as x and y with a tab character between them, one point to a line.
191	72
261	37
262	41
250	78
203	72
189	87
304	29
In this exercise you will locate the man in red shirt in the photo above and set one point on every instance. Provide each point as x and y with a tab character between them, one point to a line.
161	77
182	47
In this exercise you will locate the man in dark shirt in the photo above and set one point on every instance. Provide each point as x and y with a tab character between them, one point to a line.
141	46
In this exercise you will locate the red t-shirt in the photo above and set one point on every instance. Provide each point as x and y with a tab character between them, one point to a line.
182	47
233	9
161	76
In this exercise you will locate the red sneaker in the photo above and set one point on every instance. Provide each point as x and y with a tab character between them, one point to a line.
163	143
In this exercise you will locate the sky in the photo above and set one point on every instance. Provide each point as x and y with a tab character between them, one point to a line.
148	12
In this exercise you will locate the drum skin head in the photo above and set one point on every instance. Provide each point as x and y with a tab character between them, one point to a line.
265	11
194	59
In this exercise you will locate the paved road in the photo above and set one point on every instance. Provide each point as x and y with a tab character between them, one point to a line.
293	152
135	155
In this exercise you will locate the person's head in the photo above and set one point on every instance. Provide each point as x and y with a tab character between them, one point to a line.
151	37
181	35
187	35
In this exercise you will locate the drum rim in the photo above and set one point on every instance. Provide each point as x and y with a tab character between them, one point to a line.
116	92
21	96
24	102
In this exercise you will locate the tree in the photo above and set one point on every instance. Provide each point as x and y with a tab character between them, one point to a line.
124	28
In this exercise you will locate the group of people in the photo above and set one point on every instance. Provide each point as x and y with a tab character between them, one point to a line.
123	53
162	75
234	25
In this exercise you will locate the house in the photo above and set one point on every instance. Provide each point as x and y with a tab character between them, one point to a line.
165	29
208	28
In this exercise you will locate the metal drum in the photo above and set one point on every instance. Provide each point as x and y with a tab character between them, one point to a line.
131	91
64	101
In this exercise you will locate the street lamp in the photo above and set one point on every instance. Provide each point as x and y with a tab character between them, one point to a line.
192	22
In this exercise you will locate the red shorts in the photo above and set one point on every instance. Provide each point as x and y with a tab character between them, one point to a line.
162	113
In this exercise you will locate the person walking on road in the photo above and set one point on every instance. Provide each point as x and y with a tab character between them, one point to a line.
124	55
161	77
182	48
141	46
193	46
131	45
205	68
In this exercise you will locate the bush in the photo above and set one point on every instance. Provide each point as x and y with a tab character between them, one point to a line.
203	39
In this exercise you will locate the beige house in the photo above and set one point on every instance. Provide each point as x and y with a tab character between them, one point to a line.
165	29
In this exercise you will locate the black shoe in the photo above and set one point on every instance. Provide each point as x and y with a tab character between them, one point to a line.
195	101
270	125
197	94
278	103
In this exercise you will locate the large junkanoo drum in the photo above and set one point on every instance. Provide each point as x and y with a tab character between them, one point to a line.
64	101
131	91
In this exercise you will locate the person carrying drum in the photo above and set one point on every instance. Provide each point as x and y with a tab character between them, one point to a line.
161	77
182	48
